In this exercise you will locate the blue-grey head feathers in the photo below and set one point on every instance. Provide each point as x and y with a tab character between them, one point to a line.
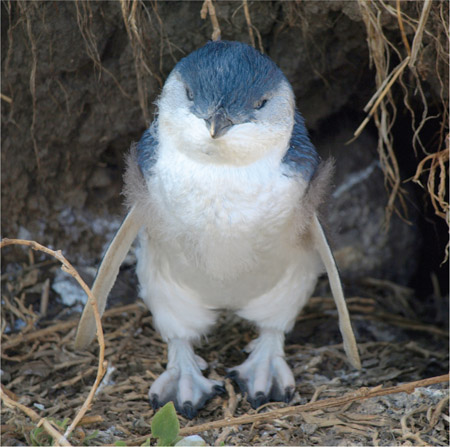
237	78
231	75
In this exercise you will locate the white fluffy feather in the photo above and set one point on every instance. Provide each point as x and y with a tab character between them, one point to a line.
222	236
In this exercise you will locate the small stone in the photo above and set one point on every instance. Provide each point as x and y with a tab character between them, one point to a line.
193	440
308	429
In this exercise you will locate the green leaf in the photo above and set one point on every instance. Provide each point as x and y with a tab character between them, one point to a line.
146	443
39	437
63	424
120	443
165	425
90	437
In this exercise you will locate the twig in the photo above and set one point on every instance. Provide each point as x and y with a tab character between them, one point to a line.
21	338
68	268
70	382
443	403
59	439
417	41
12	428
317	392
402	28
208	8
94	419
61	327
232	401
396	72
44	298
5	98
10	394
361	394
223	436
400	321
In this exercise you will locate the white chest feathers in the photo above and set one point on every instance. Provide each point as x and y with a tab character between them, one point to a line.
219	219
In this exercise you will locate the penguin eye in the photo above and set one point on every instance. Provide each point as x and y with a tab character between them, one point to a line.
189	94
260	104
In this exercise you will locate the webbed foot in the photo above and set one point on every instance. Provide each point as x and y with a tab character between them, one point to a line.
183	382
265	376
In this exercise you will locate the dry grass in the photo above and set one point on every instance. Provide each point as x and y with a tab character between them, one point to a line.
427	22
68	268
389	401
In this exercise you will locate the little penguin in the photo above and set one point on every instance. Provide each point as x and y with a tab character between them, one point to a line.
223	192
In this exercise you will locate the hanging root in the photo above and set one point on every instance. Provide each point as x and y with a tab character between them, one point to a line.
27	10
137	19
84	21
436	183
209	9
428	25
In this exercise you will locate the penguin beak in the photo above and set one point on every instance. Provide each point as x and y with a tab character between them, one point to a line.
218	124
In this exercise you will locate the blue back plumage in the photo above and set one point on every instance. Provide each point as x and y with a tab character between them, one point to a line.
147	148
301	157
228	74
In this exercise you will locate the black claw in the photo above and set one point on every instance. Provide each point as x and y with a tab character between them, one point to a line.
259	399
233	374
288	394
188	410
154	401
218	389
242	384
276	394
